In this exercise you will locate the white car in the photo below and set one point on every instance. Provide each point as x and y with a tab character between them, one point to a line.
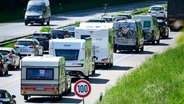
158	10
13	59
109	19
28	47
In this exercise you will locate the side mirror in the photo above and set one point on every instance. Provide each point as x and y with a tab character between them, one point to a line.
13	96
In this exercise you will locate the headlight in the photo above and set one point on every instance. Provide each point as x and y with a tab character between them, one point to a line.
40	16
25	17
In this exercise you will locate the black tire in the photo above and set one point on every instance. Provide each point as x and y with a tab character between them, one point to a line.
25	97
93	72
11	67
1	73
31	24
6	73
60	96
70	89
158	41
86	77
153	42
142	49
26	23
48	22
137	50
42	23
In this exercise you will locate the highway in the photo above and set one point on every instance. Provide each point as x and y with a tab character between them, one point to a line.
124	62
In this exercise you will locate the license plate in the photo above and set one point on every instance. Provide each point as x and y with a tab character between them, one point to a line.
39	89
23	50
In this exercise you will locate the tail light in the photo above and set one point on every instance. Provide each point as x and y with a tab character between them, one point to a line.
15	47
136	40
152	33
0	62
32	47
50	88
47	41
104	59
11	56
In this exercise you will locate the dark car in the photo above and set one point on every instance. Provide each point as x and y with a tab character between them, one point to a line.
71	30
43	38
6	97
3	65
59	33
164	29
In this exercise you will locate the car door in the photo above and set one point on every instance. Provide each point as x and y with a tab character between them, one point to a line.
39	48
16	58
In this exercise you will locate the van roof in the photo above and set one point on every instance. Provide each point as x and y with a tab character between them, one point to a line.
96	25
41	60
68	40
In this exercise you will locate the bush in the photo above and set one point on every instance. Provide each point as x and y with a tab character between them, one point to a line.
45	29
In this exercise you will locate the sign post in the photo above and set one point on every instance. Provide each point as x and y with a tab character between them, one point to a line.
82	88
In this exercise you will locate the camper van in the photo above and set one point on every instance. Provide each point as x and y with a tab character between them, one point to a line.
44	76
150	28
77	53
102	41
129	36
37	11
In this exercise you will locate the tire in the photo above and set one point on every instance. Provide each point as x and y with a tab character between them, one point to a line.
11	67
93	72
25	97
1	73
60	96
153	42
31	24
42	23
86	77
158	41
70	89
142	49
137	50
26	23
6	73
48	22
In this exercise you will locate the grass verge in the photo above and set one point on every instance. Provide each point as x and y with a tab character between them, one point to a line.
159	80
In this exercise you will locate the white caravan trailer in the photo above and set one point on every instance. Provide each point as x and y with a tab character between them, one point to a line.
77	53
102	35
44	76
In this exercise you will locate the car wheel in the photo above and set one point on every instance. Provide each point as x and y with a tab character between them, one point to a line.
142	49
42	23
137	50
6	73
158	41
25	97
48	22
25	23
86	77
1	73
11	67
153	42
60	96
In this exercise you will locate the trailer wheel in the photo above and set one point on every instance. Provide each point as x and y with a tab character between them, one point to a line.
25	97
86	77
142	49
158	41
6	73
60	96
153	42
1	73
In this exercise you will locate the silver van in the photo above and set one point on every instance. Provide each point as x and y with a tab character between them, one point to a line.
38	11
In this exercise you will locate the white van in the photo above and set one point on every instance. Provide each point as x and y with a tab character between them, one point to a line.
77	53
37	11
102	40
150	28
44	76
129	36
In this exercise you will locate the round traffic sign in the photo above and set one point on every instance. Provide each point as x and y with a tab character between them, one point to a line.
82	88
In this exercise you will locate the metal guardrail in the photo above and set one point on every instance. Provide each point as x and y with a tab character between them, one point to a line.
3	43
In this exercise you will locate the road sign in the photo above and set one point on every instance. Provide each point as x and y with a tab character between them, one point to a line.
82	88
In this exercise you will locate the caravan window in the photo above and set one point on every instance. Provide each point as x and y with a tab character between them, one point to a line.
147	24
85	36
68	54
40	74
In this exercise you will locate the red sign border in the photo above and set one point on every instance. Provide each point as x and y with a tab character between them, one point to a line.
84	81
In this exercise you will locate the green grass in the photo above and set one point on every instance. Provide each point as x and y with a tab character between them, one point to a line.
159	80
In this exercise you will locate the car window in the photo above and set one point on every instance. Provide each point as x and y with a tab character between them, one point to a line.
36	42
147	24
1	57
4	52
2	95
58	34
156	8
25	43
7	95
13	51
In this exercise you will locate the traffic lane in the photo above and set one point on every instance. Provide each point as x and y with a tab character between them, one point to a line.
102	80
17	28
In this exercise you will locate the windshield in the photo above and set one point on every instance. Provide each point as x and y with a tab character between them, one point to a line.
25	43
156	8
43	36
147	24
68	54
4	52
35	8
40	74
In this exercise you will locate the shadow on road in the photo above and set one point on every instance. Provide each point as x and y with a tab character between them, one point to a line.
98	81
